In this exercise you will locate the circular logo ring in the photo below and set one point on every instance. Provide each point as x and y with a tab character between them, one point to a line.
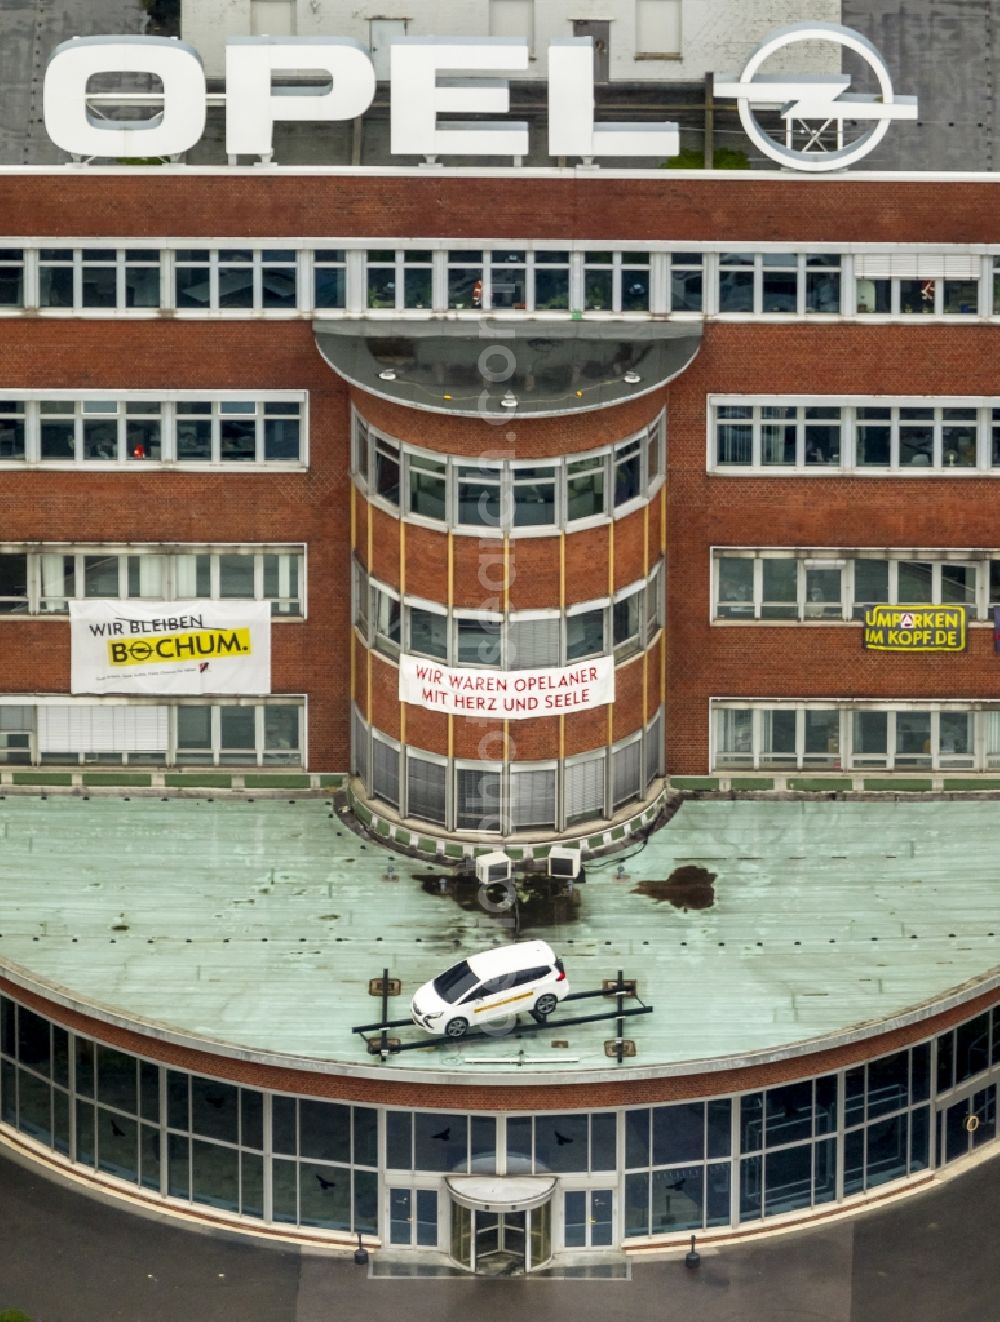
817	162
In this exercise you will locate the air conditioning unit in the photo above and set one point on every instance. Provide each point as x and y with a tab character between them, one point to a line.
491	868
564	862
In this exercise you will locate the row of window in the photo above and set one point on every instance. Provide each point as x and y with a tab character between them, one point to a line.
516	497
287	280
676	1167
825	435
807	736
44	582
178	734
145	430
527	640
495	798
532	279
841	585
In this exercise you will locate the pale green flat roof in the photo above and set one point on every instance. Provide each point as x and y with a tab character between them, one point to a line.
255	927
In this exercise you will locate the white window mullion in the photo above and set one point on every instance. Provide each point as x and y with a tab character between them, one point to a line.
31	279
120	279
32	432
890	740
983	438
167	288
258	733
710	285
529	280
258	281
215	726
305	274
216	433
439	280
577	289
846	726
168	432
659	283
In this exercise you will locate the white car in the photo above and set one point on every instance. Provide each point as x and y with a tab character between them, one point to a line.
491	986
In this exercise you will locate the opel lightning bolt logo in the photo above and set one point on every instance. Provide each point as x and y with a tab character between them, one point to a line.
810	104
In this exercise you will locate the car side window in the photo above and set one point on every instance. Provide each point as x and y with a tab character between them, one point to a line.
493	987
536	975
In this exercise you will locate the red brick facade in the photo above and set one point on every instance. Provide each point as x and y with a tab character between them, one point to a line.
702	509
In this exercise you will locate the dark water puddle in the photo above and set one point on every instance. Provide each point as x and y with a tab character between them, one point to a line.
541	901
687	887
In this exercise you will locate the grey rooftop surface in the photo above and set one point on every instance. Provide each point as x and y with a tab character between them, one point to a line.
253	928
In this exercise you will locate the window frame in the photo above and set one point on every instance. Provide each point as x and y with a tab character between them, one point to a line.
845	757
943	416
173	409
508	477
846	560
169	555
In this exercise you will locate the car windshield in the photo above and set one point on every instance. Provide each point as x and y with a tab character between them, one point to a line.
455	982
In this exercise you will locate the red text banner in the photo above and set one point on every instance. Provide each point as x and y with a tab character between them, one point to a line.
509	695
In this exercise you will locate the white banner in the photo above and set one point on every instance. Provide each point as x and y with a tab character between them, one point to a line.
170	646
510	695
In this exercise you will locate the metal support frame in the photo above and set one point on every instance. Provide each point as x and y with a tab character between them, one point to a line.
621	989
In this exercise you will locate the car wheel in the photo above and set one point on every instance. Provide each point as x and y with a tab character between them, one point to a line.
545	1005
456	1027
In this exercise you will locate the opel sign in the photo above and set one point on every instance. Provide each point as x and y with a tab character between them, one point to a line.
433	80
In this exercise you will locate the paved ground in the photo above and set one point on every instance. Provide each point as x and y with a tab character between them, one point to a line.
65	1257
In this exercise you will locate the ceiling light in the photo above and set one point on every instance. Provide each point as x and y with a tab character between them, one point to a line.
632	378
387	374
509	400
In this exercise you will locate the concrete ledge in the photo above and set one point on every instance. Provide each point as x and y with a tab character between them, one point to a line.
276	781
886	786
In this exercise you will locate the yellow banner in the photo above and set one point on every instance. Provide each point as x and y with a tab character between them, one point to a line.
915	629
204	645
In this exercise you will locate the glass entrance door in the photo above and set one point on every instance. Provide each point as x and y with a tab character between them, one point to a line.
487	1235
501	1243
588	1218
967	1123
500	1248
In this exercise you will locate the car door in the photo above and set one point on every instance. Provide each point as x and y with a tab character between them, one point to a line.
503	995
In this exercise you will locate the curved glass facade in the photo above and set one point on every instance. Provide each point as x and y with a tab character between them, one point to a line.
620	1175
519	498
505	797
622	626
